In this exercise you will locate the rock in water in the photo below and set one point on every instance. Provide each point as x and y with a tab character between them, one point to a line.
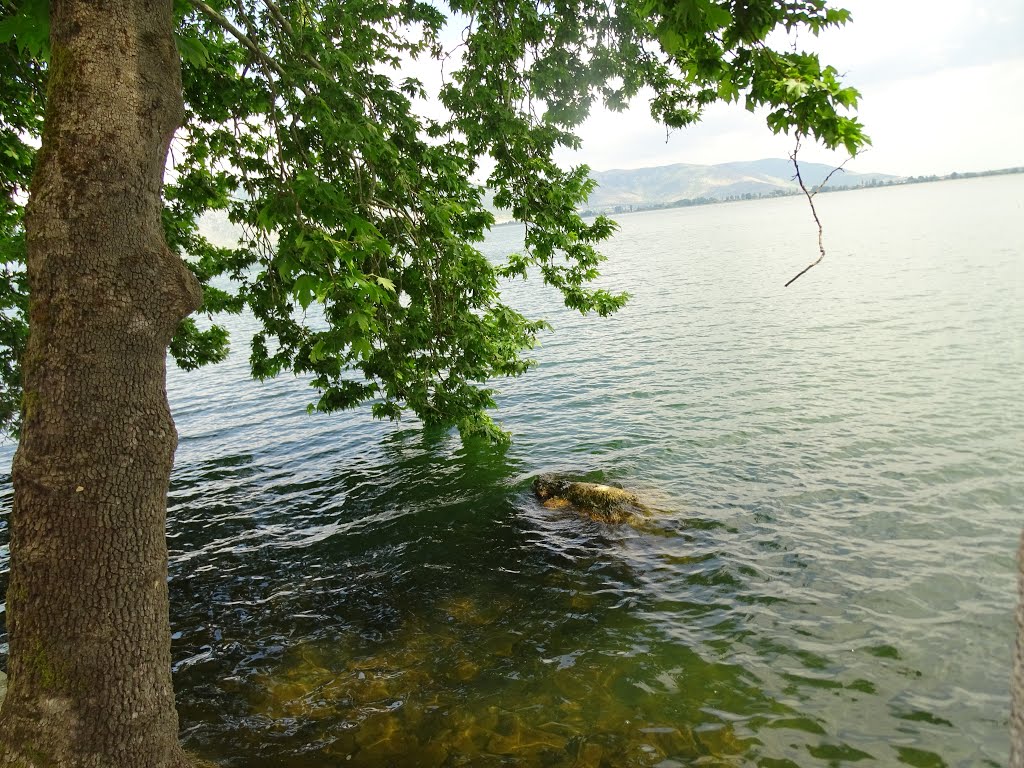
603	503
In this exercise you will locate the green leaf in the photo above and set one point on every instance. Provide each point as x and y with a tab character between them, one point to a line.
717	16
304	290
192	51
29	29
386	283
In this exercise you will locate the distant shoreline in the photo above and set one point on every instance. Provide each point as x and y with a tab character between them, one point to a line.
619	210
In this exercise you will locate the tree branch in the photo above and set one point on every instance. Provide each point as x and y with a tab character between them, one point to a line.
275	11
224	23
810	201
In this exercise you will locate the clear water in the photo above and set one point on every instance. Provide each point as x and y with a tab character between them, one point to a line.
828	578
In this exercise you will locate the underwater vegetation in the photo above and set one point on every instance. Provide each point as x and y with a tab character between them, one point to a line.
429	698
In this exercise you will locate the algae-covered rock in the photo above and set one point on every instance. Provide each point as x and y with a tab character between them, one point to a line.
603	503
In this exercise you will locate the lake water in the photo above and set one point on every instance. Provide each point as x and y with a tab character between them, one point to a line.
828	577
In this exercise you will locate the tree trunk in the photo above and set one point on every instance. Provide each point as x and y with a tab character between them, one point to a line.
87	610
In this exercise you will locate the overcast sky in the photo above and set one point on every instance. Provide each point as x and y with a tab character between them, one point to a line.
942	84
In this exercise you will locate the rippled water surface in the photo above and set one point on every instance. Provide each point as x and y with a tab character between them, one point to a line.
835	471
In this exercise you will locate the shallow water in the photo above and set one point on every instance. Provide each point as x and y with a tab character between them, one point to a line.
827	578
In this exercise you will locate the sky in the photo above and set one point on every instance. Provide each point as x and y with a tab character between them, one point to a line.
942	84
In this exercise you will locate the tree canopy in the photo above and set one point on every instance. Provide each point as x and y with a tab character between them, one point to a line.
361	214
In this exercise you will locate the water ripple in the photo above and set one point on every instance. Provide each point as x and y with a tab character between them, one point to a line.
827	577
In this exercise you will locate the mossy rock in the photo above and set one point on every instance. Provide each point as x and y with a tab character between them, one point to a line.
602	503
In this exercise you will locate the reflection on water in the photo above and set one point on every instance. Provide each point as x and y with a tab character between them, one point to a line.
826	578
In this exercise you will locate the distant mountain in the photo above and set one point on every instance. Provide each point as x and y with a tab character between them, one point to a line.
682	181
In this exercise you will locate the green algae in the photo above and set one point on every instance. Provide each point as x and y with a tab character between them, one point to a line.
426	697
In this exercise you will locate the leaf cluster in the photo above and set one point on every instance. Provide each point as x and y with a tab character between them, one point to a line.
24	45
360	216
719	51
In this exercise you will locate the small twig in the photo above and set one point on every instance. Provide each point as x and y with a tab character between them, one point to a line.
830	174
810	201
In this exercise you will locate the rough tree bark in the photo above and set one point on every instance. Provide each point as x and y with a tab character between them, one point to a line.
87	610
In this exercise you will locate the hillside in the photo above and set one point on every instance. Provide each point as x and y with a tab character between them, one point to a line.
669	183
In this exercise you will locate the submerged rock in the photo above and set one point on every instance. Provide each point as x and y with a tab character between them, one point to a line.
603	503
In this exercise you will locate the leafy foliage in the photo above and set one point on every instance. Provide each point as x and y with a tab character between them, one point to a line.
22	83
360	217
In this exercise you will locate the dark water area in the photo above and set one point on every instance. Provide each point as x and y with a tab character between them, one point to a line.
827	577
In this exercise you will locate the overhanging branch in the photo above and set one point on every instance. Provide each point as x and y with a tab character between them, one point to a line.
810	201
253	47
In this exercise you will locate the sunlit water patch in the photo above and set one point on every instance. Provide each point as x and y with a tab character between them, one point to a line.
834	472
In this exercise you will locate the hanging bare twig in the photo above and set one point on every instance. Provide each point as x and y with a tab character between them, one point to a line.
810	201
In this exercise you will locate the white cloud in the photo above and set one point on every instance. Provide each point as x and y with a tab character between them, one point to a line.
941	83
962	119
